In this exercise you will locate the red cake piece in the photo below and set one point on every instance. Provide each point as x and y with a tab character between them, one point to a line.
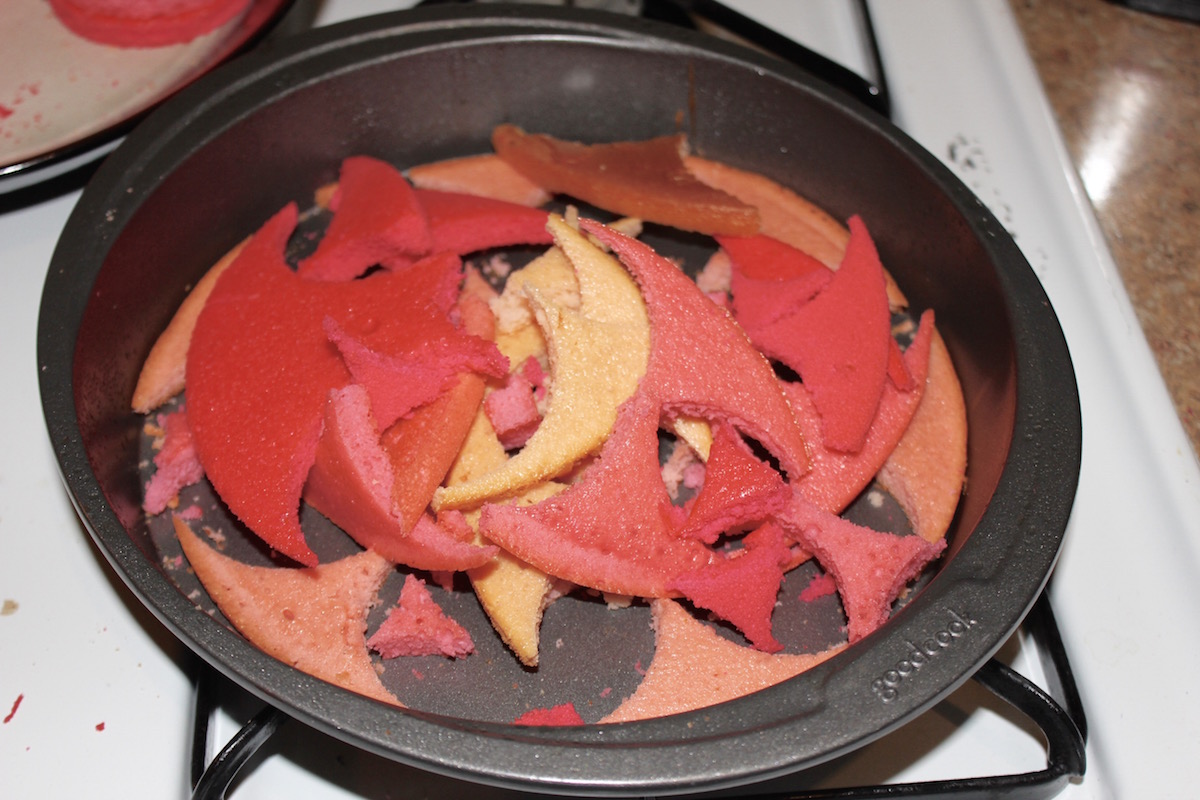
701	363
377	219
838	343
738	489
770	278
612	530
417	626
562	714
644	179
260	368
464	223
513	411
742	588
176	464
871	568
836	478
145	23
351	483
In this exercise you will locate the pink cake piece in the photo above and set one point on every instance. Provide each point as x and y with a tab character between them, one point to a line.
701	362
562	714
513	411
176	464
351	483
871	568
739	489
417	626
612	530
742	588
377	219
839	343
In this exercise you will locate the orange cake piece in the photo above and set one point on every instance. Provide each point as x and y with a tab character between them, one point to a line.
485	175
694	667
784	214
314	619
644	179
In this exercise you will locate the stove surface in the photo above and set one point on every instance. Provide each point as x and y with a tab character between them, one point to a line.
96	696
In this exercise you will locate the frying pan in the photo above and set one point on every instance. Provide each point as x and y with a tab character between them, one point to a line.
421	85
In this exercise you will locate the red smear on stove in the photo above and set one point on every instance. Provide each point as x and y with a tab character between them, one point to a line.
870	568
564	714
351	483
838	343
701	363
417	626
377	219
260	369
13	711
836	478
769	278
464	223
99	726
742	588
612	530
176	464
738	489
130	23
645	179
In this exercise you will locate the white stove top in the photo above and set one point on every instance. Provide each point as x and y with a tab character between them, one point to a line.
95	696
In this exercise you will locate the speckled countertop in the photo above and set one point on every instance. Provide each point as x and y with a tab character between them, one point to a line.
1125	87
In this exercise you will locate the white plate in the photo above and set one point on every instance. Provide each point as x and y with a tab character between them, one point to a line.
65	100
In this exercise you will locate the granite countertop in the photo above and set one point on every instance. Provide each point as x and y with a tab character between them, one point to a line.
1125	87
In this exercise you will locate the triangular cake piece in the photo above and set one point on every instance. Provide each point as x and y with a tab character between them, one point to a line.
695	667
314	619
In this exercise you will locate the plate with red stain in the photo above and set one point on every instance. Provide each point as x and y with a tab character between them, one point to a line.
69	89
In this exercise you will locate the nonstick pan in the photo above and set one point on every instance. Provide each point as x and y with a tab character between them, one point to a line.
416	86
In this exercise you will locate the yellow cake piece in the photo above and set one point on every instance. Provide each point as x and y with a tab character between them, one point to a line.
597	355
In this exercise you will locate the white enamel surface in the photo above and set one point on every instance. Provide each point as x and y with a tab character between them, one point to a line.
104	695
